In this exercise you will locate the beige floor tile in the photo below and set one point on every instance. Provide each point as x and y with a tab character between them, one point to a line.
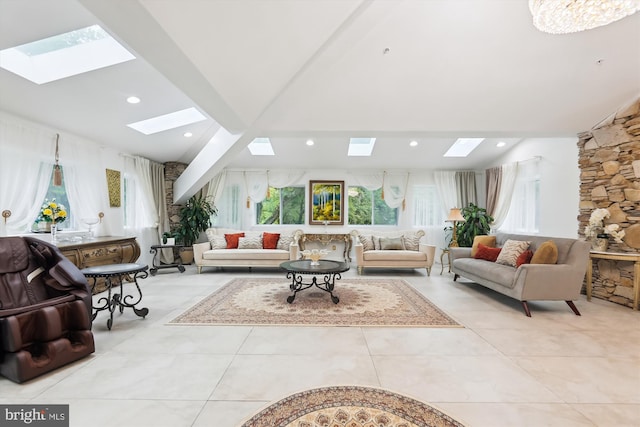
133	412
516	414
426	341
227	413
611	415
268	377
144	376
460	379
587	379
181	339
305	340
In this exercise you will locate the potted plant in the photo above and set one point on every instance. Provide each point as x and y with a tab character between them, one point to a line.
476	223
195	217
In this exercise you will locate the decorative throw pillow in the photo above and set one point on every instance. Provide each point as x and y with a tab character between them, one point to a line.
218	242
487	253
547	253
250	242
524	258
367	242
270	240
376	242
485	240
232	240
284	242
510	252
392	243
411	241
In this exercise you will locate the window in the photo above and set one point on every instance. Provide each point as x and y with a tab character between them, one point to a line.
524	212
282	206
366	207
58	194
427	209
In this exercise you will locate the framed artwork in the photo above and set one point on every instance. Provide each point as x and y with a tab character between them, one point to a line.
326	202
113	186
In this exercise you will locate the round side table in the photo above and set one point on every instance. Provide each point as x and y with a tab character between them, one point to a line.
113	275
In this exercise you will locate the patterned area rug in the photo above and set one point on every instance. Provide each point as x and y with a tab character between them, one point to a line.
363	302
350	407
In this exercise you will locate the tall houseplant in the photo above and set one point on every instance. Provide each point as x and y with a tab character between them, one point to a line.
476	223
195	217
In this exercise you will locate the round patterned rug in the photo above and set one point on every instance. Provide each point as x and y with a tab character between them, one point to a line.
350	406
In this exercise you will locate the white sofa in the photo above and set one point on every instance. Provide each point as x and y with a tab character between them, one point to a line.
215	254
392	249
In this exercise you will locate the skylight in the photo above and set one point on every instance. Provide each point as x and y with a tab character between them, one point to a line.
64	55
168	121
361	146
463	147
261	147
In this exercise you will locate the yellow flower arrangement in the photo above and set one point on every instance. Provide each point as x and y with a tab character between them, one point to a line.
52	212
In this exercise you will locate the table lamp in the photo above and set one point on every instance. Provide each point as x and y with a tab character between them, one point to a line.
454	216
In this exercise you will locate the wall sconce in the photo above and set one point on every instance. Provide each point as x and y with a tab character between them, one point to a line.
454	216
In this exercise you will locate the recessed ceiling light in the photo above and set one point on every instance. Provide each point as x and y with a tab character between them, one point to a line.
361	146
133	100
168	121
310	142
413	143
64	55
462	147
188	134
261	147
501	144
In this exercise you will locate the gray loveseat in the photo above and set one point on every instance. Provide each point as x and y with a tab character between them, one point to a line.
551	282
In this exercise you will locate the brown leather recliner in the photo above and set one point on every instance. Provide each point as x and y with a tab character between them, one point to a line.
45	309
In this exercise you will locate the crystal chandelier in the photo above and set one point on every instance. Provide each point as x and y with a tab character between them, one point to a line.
570	16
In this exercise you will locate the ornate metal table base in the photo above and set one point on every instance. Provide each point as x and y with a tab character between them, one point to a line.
326	285
155	266
113	275
329	270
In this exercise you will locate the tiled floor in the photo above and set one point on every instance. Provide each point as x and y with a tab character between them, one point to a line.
502	369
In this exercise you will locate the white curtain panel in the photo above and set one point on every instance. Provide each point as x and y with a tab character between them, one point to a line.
85	181
509	175
284	178
446	187
369	180
26	163
216	187
395	188
257	183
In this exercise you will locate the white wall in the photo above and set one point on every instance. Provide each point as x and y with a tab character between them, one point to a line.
559	182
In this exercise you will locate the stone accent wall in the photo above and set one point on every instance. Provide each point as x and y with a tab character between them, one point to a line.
172	170
609	159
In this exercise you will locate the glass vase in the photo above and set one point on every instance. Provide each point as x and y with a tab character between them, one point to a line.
54	231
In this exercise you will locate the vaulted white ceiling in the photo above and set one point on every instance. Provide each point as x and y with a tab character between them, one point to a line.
429	70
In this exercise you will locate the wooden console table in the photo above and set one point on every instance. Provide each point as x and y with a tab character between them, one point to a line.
326	238
101	251
616	256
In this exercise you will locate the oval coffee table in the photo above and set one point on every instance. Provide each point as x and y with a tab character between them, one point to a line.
330	270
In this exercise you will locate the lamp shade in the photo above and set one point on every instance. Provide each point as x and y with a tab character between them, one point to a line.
455	215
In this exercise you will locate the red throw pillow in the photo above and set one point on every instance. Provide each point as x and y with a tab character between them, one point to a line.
232	240
270	240
524	258
487	253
